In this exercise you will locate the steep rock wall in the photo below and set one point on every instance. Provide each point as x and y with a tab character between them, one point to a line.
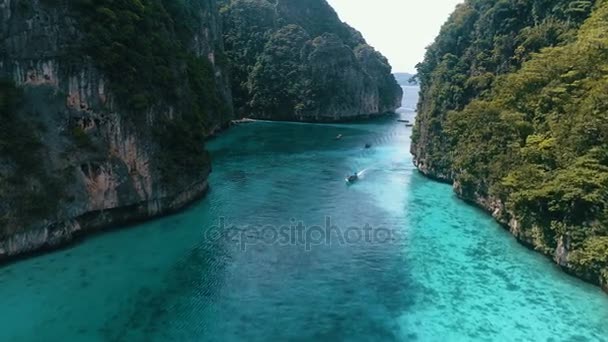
85	160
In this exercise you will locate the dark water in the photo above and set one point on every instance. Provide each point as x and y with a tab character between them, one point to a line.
403	259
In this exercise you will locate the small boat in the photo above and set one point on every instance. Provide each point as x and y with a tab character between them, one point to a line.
403	120
243	121
339	136
409	125
352	178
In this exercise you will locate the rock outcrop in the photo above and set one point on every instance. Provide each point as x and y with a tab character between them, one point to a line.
512	112
75	156
295	60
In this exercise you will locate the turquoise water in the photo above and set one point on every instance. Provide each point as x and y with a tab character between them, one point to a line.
430	269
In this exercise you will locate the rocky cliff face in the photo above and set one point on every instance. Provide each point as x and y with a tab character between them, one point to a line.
75	156
295	60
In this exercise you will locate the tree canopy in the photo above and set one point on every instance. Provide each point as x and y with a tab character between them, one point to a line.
514	107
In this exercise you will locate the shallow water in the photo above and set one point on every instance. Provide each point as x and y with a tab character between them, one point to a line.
428	267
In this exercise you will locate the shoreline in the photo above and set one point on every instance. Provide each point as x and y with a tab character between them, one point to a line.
511	227
322	120
65	234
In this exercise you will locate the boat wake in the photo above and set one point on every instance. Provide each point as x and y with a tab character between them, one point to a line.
362	173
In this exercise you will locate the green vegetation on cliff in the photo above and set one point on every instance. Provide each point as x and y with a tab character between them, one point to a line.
104	104
24	186
144	47
514	109
295	60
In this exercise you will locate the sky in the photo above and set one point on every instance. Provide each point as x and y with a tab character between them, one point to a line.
400	29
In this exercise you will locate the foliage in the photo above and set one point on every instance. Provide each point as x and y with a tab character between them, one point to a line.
145	49
24	184
141	45
278	79
248	25
536	137
16	141
269	45
481	40
593	254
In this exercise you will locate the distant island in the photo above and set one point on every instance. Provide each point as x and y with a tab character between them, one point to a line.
405	79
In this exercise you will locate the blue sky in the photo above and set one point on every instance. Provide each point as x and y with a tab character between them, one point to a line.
400	29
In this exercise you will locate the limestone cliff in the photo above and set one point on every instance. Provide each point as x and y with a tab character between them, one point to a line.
295	60
513	113
79	151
